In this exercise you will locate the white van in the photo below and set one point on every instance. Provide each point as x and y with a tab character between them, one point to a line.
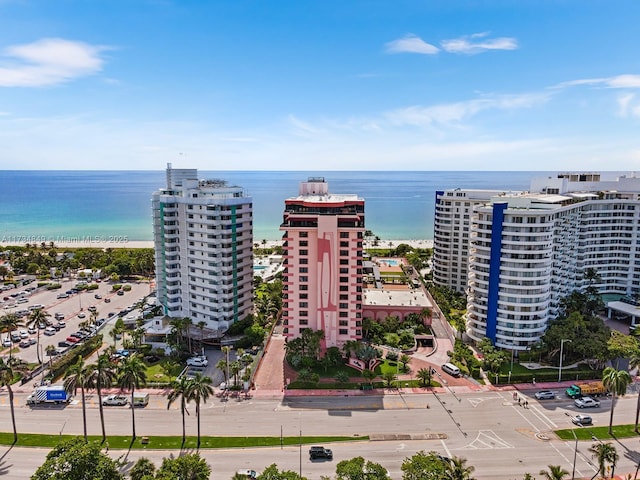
140	399
451	369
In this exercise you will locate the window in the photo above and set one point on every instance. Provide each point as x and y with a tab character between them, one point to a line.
303	243
304	252
344	314
304	304
344	279
344	234
344	271
343	331
344	261
304	234
344	297
344	305
304	313
304	261
343	253
303	296
343	323
303	278
344	244
306	287
303	270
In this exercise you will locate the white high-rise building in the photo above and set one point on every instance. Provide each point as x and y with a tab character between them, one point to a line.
203	238
528	250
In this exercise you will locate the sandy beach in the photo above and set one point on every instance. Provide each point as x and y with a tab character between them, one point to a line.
269	244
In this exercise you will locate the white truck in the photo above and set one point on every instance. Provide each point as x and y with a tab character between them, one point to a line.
48	394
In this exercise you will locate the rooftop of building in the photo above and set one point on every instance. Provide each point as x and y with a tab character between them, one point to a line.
406	297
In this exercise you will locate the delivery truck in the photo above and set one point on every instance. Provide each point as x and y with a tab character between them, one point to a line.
48	394
587	389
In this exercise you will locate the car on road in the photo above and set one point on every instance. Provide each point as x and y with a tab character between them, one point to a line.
25	343
545	395
197	362
247	473
582	420
61	323
586	402
120	292
320	452
63	295
117	400
59	316
49	331
97	296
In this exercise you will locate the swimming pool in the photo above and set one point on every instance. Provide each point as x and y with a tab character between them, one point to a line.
392	263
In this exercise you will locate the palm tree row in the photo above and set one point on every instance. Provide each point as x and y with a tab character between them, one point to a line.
130	373
196	389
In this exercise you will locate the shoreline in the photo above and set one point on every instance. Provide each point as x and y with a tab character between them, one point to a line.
425	243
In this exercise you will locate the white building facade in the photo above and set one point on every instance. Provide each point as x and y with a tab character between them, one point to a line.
203	239
529	250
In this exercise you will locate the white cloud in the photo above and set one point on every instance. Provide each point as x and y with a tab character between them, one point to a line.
49	61
628	105
619	81
453	113
411	44
468	44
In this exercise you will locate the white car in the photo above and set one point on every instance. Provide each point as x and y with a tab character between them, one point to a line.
24	334
82	315
197	362
117	400
586	402
6	342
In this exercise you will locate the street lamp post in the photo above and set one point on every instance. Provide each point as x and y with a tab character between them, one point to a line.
561	352
575	451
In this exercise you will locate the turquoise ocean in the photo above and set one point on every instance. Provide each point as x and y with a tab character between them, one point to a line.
45	206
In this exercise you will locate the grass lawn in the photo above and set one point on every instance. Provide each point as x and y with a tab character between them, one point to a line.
601	433
169	443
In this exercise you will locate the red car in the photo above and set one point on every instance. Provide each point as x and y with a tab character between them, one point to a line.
73	339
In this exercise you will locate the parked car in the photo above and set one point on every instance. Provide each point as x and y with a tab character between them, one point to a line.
247	473
320	452
97	296
25	343
64	344
582	420
59	316
82	315
120	292
107	300
115	400
24	334
6	342
63	295
32	329
545	395
71	339
49	331
586	402
197	362
61	324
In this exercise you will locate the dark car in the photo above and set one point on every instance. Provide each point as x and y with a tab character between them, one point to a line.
64	344
320	452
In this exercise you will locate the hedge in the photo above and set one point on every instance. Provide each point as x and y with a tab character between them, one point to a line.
85	349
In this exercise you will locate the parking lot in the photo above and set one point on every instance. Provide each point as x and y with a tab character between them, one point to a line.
66	311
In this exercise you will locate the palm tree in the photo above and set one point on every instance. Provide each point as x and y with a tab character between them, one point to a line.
132	374
616	381
369	375
404	360
181	389
555	472
201	324
50	351
605	453
222	366
200	390
6	379
77	376
235	368
424	375
35	318
457	470
101	375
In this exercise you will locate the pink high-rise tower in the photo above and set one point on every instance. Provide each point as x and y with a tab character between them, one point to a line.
323	236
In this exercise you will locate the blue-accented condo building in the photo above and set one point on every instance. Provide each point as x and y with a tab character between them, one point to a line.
203	239
516	254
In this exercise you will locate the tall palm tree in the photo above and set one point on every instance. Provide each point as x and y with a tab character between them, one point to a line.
8	323
201	324
180	389
424	375
605	453
555	472
634	363
35	318
456	469
222	366
235	368
200	390
77	376
101	375
616	382
6	379
132	374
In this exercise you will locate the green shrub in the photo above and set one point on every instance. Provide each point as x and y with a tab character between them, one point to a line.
61	364
51	286
116	286
126	287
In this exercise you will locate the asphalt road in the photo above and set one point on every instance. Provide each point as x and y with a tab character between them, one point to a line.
500	438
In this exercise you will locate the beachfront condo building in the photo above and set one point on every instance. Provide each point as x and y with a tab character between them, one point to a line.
203	238
528	250
323	247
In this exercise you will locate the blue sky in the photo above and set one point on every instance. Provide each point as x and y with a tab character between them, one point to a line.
320	85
